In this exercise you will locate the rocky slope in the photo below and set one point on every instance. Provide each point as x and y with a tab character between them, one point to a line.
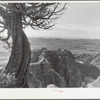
60	68
89	59
96	60
84	58
95	83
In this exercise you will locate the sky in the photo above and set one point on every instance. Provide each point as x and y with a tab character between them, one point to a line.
80	20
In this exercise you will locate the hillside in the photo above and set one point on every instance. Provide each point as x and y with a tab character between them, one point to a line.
84	58
72	65
64	65
89	59
96	60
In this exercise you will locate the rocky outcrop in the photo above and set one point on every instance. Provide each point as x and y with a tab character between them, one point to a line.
89	64
62	63
41	74
88	79
51	86
60	68
84	58
96	60
89	70
95	83
89	59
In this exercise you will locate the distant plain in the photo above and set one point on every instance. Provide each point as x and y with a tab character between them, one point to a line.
76	46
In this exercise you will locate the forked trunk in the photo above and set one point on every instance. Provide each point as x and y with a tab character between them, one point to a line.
20	55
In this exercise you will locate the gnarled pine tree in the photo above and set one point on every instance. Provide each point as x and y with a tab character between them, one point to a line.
16	16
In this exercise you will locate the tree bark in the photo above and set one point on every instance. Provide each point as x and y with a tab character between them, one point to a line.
20	55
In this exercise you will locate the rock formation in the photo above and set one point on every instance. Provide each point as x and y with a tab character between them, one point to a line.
84	58
60	68
43	74
95	83
89	59
62	63
96	60
51	86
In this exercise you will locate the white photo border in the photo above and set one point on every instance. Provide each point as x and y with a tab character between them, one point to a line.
41	93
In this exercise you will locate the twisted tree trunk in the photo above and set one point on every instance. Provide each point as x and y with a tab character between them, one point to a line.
20	55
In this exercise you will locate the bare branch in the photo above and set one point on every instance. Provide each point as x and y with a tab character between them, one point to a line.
41	15
2	30
36	15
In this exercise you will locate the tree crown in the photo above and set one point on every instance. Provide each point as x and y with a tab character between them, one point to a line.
36	15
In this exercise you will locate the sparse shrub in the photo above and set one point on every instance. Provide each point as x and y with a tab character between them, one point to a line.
7	80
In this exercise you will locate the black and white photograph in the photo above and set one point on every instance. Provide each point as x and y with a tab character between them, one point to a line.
50	45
